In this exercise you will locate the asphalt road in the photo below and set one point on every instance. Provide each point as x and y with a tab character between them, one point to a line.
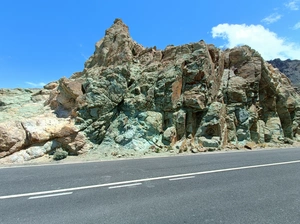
237	187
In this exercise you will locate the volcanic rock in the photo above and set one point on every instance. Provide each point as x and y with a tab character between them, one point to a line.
291	68
193	97
28	129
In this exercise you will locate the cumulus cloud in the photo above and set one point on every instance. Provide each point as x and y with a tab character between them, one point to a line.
296	26
267	43
292	5
272	18
36	85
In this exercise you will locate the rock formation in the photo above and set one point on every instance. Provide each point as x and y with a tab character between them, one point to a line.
28	129
291	68
193	97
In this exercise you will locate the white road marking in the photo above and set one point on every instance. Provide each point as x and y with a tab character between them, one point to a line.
182	178
146	179
50	195
126	185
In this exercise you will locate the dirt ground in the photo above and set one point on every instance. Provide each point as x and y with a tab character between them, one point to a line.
97	155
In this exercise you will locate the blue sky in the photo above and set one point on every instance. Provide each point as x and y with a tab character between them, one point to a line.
44	40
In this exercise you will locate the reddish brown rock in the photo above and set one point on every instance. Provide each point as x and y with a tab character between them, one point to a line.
193	97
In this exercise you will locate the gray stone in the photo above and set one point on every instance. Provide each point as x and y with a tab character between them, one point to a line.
193	97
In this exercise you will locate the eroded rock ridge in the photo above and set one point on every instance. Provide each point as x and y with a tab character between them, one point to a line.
291	68
193	97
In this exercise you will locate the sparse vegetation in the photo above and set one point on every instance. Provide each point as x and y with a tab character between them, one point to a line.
60	154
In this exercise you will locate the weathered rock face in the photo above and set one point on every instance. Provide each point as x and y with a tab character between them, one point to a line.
193	97
291	68
28	129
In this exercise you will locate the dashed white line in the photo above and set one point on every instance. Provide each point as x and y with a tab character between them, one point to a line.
182	178
50	195
147	179
126	185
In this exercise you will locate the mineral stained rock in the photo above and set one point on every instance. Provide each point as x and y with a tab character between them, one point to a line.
193	97
291	68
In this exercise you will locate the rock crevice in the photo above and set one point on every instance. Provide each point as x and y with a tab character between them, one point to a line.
193	97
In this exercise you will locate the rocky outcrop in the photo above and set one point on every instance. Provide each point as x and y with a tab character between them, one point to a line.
291	68
193	97
28	129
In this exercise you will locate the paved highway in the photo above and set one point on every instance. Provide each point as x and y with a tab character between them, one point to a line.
236	187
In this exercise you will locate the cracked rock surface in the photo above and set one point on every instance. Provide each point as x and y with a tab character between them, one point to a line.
188	98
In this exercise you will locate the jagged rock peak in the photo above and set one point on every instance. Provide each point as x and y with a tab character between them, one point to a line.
118	29
118	25
194	97
115	48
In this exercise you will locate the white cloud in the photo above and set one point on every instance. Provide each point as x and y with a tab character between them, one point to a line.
36	85
267	43
296	26
292	5
272	18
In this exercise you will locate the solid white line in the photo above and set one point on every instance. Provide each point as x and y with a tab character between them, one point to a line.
147	179
50	195
182	178
126	185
